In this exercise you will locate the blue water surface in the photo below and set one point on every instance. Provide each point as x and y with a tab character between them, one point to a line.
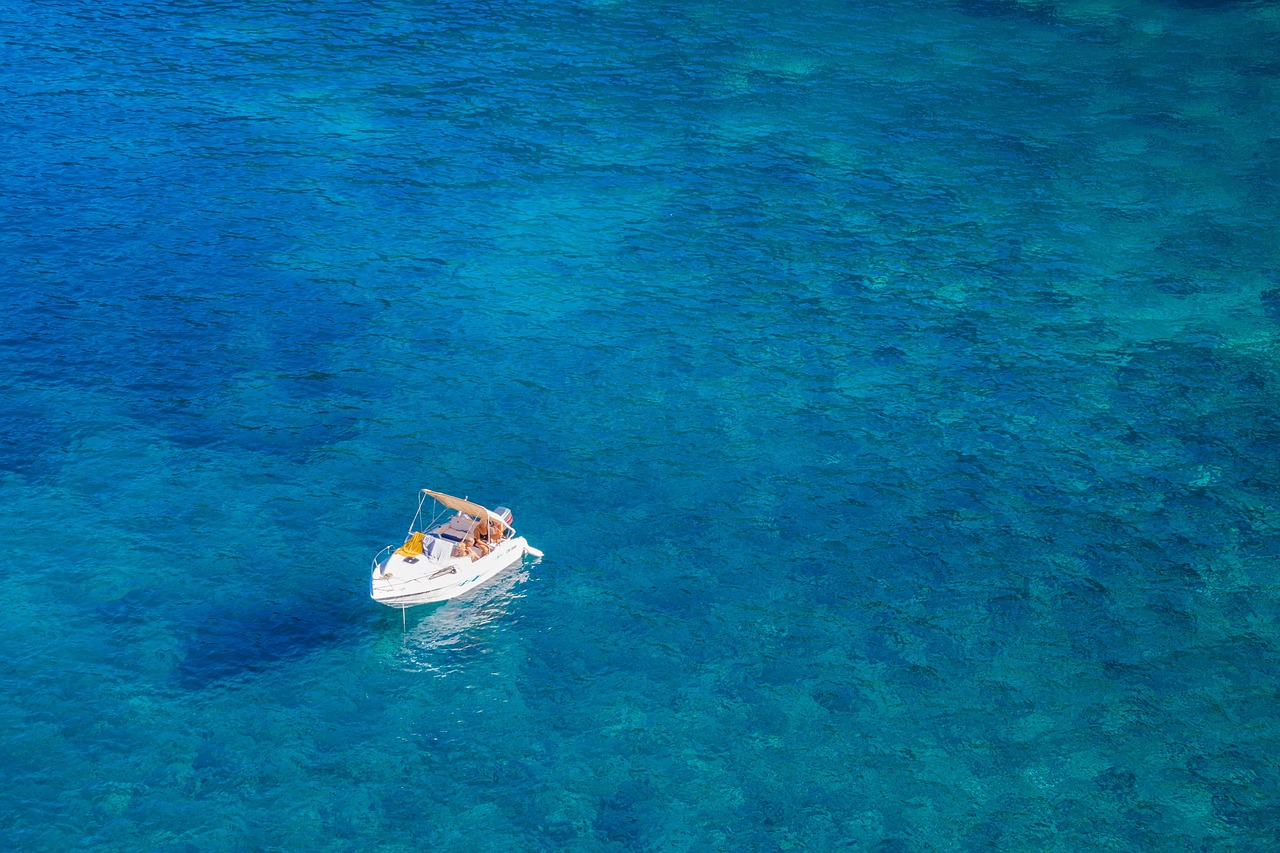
894	388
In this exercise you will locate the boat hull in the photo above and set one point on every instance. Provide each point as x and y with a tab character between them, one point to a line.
397	582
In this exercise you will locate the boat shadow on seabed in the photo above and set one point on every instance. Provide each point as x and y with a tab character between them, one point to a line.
224	646
451	634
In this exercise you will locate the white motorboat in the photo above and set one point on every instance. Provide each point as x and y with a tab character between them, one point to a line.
447	556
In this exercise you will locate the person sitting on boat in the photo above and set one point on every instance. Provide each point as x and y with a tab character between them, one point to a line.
489	532
469	547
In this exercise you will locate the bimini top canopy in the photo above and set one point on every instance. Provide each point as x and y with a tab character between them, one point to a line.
472	509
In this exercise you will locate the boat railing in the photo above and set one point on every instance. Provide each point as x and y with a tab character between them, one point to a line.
382	555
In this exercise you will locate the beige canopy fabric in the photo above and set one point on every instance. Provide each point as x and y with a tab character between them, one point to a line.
472	509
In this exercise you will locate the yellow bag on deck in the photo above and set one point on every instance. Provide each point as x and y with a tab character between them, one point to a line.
412	548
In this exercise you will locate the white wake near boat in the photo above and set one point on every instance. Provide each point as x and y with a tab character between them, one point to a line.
463	546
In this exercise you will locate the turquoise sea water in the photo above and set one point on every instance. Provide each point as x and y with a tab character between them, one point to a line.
893	387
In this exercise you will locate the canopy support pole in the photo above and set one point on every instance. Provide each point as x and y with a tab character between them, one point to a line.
421	499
